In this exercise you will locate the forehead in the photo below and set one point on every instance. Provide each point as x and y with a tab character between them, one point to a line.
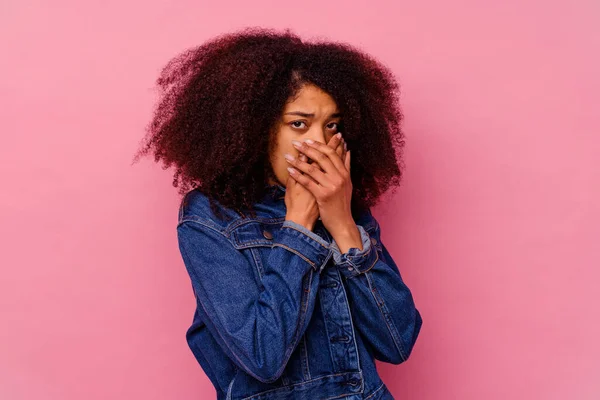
311	98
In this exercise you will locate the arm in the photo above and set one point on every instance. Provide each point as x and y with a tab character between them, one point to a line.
258	328
382	305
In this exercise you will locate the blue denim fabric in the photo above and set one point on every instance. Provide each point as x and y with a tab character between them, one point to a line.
282	314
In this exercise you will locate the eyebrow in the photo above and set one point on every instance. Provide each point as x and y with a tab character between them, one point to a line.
302	114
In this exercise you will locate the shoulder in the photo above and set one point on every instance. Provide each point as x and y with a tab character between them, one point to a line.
195	207
241	231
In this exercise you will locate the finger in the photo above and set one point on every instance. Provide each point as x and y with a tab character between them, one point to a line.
340	149
347	161
300	165
311	170
289	183
324	155
335	140
303	158
305	181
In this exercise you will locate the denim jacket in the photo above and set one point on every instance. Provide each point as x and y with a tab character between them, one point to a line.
282	314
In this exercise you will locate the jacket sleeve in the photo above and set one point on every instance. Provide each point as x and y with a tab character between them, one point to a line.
381	303
258	326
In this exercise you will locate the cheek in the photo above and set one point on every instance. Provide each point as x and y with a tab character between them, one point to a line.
278	162
284	137
284	144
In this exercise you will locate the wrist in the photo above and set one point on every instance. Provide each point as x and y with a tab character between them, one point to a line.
348	237
305	222
346	228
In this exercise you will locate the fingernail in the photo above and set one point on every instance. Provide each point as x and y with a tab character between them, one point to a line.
296	143
289	157
345	146
339	135
309	141
292	170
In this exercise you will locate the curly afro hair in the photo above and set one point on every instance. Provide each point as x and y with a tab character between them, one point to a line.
220	101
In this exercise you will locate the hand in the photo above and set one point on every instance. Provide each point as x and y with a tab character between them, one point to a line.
330	184
300	203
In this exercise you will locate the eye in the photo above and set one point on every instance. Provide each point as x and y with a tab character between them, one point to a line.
337	125
297	122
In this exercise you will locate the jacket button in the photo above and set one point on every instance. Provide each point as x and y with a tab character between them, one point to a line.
268	235
373	241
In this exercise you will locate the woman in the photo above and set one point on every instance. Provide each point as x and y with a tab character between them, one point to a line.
296	295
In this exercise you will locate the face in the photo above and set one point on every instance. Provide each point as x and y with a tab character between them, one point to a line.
311	114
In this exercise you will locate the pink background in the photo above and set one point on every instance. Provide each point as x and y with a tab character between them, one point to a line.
495	229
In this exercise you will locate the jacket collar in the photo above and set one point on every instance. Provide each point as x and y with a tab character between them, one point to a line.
277	191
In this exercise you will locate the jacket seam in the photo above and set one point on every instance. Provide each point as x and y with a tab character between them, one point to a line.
304	345
312	264
356	264
221	335
244	221
298	230
384	313
199	221
326	332
297	384
304	307
180	213
230	387
363	271
374	391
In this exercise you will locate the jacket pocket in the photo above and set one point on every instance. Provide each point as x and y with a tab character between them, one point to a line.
256	240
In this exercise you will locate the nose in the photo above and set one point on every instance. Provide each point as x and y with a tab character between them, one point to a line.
317	134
